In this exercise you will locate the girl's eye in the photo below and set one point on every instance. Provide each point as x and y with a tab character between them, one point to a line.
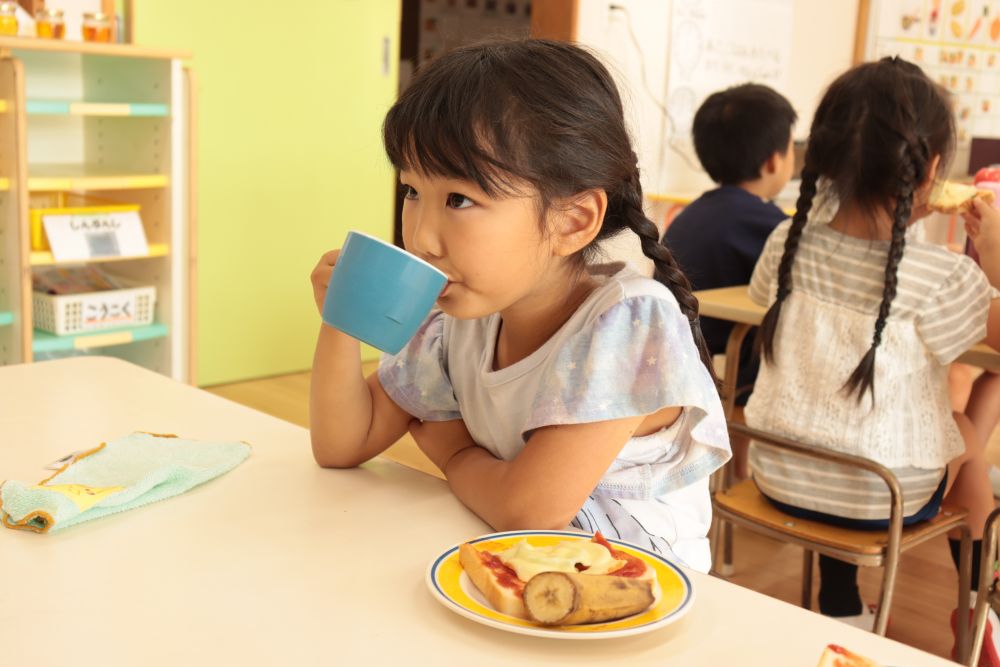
408	192
456	200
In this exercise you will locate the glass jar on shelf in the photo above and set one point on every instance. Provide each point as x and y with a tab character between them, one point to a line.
96	27
8	18
49	24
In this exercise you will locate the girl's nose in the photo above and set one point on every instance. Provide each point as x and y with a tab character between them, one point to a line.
425	238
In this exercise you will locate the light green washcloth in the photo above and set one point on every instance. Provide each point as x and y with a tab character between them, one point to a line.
136	470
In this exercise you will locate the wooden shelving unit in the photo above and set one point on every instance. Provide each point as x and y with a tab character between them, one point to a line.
44	257
46	342
112	121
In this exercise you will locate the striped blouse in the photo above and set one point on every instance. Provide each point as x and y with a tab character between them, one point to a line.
826	327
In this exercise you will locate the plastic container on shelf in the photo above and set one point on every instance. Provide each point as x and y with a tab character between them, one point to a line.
8	18
72	301
96	27
49	23
42	204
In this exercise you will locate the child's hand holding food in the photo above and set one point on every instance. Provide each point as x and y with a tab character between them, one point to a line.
982	224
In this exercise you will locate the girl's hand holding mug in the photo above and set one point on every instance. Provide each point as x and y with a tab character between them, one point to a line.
320	276
375	292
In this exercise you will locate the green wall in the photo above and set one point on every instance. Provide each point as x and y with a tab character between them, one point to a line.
291	99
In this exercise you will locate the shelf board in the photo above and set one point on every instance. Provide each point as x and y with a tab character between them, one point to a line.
71	108
6	318
53	177
44	341
90	48
45	258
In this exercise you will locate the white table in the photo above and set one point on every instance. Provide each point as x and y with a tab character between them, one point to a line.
281	562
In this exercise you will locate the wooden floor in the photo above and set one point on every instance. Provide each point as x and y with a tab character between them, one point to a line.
926	583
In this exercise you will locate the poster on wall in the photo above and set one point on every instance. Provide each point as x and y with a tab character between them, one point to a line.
720	43
957	43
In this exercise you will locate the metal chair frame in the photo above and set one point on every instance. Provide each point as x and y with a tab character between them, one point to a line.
888	557
987	594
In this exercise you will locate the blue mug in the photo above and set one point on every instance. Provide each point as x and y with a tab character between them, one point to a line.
380	294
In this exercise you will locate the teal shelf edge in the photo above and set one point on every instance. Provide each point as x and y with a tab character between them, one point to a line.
6	318
64	108
43	341
157	110
47	107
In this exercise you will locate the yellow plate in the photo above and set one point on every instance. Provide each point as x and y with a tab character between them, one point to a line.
453	588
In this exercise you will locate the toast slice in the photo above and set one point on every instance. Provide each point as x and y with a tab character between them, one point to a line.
952	197
504	590
497	582
838	656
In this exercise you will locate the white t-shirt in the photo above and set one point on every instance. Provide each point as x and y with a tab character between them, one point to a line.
826	327
626	351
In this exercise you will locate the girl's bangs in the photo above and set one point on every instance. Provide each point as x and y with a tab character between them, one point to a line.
446	133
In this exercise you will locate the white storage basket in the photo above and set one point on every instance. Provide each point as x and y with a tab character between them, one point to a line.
92	311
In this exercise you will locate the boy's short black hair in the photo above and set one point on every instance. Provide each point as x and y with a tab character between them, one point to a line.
736	130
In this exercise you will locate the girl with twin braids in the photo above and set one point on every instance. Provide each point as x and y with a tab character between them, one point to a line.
864	319
550	391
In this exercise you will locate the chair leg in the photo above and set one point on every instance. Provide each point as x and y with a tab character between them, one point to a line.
727	549
714	535
719	534
885	598
964	581
807	578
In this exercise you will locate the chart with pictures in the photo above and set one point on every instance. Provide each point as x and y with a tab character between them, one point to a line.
957	43
446	24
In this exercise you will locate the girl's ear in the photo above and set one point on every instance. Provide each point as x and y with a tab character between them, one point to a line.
932	170
923	191
577	220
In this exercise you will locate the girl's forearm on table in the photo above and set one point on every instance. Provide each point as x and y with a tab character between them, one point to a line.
491	488
340	401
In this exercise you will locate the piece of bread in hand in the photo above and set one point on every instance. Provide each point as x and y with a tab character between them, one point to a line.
501	578
838	656
952	197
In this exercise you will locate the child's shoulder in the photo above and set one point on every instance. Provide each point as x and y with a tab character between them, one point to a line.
623	285
729	204
932	260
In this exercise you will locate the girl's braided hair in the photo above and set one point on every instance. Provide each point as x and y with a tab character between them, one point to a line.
543	112
873	138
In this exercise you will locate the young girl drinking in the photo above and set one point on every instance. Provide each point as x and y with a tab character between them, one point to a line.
863	322
549	390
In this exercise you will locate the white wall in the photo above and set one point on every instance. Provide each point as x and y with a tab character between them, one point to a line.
822	46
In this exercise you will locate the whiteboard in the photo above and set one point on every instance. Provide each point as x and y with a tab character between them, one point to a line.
715	44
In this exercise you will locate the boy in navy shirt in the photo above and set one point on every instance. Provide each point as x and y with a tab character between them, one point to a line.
743	137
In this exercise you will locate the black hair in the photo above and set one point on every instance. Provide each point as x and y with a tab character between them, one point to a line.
736	130
538	111
874	136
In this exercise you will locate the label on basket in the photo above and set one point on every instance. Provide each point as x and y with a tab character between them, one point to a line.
108	309
92	235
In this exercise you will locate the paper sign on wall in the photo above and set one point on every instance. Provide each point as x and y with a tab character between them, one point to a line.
93	235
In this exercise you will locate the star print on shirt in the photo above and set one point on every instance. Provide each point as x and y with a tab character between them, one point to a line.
571	366
651	361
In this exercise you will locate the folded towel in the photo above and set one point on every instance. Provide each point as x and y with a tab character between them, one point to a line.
132	471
